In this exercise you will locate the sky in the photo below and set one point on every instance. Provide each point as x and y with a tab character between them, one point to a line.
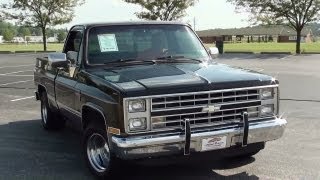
209	14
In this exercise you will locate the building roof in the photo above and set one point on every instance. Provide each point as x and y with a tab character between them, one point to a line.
257	30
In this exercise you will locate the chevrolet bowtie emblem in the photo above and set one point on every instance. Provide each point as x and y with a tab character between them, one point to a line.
211	109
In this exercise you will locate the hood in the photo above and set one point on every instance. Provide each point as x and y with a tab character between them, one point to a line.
176	78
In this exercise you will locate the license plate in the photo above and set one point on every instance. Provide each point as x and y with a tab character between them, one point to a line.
213	143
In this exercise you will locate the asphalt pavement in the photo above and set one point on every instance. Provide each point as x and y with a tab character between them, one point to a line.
29	152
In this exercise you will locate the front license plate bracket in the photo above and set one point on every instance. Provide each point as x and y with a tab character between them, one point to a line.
213	143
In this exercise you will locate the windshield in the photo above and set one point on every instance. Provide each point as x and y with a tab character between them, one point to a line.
143	42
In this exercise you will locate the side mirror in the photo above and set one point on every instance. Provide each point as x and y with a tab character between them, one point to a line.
72	56
214	52
57	60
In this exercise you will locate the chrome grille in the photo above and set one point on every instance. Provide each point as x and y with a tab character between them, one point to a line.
176	108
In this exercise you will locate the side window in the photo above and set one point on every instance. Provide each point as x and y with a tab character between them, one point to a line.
73	44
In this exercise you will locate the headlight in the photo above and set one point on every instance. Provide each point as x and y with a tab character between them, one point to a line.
137	106
137	115
137	124
267	110
267	93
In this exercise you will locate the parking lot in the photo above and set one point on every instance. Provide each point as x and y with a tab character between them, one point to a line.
29	152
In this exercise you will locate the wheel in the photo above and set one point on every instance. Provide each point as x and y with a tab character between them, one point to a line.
49	119
97	153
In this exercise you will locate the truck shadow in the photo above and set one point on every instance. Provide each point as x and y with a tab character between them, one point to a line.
201	169
27	151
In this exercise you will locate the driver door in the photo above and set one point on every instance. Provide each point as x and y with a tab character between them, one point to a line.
66	81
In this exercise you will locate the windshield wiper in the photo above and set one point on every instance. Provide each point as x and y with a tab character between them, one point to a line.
177	58
159	59
120	61
127	61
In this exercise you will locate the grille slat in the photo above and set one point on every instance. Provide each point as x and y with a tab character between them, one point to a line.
202	106
194	106
214	117
202	112
201	99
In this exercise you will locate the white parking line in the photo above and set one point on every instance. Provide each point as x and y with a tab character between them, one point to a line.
15	72
18	82
14	100
16	66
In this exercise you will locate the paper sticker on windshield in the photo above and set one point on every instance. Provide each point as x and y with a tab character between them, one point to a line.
108	42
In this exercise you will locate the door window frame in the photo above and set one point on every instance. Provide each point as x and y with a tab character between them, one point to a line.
80	53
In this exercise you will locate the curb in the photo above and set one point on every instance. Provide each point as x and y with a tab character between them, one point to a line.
17	52
6	52
310	53
45	51
288	53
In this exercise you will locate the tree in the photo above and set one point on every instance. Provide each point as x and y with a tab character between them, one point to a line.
40	13
8	34
28	39
62	36
37	31
50	32
295	13
164	10
24	31
3	26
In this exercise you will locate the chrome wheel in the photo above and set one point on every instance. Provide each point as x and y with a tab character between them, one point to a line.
44	112
98	152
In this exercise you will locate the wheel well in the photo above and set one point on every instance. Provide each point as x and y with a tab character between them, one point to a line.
41	89
90	115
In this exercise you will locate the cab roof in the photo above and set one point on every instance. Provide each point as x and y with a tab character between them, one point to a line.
89	25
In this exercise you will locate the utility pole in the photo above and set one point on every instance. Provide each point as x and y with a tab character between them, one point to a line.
194	23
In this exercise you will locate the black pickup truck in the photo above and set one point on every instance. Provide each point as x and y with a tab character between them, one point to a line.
149	89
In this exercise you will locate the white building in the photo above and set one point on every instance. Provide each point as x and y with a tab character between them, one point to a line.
52	39
17	40
1	39
34	39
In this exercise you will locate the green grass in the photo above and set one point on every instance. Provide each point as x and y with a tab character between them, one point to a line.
253	47
30	47
270	47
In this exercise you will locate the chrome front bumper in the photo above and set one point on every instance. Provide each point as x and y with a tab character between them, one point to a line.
146	146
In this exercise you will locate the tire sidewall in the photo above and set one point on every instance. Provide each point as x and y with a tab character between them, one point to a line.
93	128
44	102
54	120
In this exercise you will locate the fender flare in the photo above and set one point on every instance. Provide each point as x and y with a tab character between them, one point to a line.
100	111
95	108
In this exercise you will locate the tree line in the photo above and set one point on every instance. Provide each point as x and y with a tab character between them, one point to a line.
294	13
49	13
9	30
42	14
